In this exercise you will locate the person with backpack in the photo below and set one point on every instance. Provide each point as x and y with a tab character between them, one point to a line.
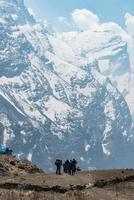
74	166
58	164
66	166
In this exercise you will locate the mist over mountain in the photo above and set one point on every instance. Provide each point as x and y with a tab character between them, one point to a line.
63	95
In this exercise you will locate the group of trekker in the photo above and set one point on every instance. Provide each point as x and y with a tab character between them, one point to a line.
69	166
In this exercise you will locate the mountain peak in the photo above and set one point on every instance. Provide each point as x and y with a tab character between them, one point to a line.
14	12
50	104
18	2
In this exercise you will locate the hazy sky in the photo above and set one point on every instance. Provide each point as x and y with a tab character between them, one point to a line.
106	10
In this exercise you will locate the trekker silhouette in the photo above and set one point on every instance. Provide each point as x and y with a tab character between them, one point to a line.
74	162
58	164
66	166
72	167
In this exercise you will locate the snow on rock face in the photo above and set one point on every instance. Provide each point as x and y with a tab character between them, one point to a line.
55	106
14	47
109	47
14	12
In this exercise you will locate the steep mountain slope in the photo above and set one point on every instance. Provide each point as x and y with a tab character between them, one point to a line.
108	45
54	106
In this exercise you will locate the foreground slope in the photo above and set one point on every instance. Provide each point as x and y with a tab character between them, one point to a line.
22	180
51	107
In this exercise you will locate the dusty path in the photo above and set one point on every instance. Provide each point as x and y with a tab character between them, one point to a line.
67	180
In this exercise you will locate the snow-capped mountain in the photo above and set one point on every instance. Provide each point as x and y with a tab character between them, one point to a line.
109	46
54	103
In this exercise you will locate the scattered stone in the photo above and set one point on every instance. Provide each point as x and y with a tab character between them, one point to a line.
12	162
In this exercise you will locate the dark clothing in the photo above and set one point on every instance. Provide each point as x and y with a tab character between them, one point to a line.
58	164
58	170
74	161
69	167
73	166
66	166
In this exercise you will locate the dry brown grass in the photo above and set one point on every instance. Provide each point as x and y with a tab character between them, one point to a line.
31	195
112	184
90	194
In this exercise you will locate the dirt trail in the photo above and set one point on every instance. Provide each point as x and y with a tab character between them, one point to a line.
23	181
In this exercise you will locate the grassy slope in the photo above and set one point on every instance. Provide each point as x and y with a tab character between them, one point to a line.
22	181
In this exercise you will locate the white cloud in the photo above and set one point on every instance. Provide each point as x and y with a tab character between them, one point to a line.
64	20
129	21
85	19
61	19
